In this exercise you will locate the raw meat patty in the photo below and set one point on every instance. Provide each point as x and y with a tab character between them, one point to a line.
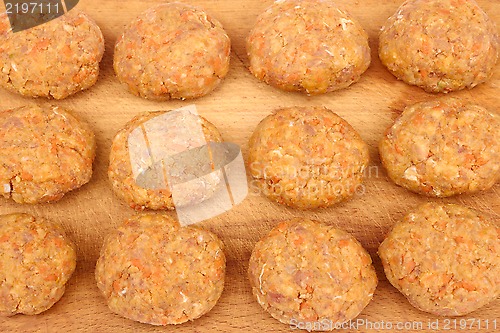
55	59
440	45
128	155
45	152
36	261
172	51
153	271
307	157
444	258
309	273
443	148
309	46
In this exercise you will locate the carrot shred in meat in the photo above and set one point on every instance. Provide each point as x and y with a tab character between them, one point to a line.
51	277
343	242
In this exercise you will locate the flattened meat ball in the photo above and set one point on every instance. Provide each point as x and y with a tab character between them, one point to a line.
153	271
440	45
36	261
444	258
172	51
55	59
45	152
307	157
443	148
128	155
308	273
309	46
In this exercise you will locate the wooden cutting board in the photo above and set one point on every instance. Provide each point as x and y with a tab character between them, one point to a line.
371	105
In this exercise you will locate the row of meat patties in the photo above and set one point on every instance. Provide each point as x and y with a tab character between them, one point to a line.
443	258
177	51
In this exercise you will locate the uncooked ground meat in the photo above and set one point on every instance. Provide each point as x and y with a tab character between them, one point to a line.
443	148
307	157
440	45
45	152
54	60
172	51
153	271
444	258
310	46
305	272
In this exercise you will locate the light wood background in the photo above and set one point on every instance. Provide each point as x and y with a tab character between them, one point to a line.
236	107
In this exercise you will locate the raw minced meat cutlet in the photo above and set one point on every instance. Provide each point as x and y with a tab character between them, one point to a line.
153	271
36	261
130	153
45	152
307	157
444	258
440	45
55	59
309	46
172	51
442	148
307	272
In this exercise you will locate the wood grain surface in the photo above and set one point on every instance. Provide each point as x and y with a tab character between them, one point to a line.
236	107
